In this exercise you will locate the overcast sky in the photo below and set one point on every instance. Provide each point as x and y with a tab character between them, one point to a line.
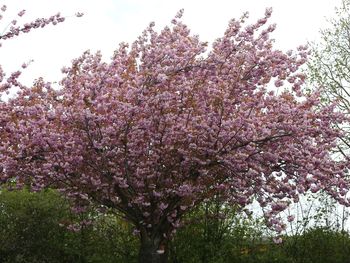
108	22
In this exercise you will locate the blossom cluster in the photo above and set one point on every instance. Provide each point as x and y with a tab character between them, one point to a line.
27	27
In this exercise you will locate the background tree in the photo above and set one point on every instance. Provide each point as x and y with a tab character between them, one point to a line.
329	72
163	127
329	69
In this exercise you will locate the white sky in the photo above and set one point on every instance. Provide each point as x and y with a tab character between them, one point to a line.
108	22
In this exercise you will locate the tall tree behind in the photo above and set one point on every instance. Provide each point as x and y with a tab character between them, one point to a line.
329	66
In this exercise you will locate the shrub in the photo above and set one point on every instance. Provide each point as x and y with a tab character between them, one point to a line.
31	231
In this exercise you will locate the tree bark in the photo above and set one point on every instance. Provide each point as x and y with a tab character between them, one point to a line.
152	249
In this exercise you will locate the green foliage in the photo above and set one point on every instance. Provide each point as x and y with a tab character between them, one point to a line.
318	244
30	231
329	69
209	238
29	227
111	240
218	234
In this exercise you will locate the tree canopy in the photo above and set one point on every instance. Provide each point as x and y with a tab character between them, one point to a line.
164	126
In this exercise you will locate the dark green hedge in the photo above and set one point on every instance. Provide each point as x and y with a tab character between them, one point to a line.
31	231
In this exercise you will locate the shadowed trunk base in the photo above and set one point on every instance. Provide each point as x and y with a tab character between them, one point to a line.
152	251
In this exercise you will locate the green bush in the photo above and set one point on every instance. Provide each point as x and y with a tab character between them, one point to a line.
216	234
238	238
31	231
318	245
111	240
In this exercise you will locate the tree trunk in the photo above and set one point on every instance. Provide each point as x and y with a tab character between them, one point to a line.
152	249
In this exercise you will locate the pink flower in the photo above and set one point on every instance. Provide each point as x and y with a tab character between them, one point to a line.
163	206
290	218
277	240
21	13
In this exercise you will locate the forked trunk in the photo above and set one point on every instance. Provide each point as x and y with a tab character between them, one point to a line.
152	249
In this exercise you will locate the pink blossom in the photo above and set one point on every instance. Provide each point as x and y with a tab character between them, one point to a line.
277	240
290	218
21	13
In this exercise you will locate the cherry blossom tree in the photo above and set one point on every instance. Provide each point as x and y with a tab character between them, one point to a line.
164	126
